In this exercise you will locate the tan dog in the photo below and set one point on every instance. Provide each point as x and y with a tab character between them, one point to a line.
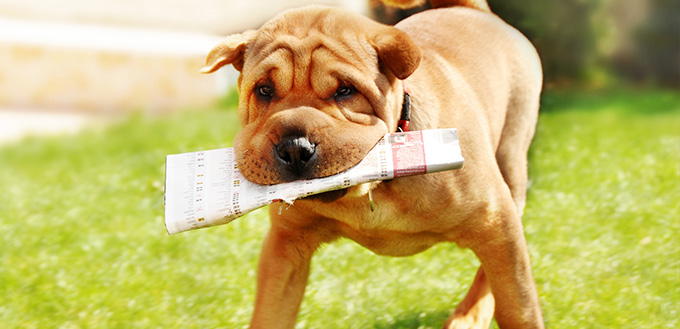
319	86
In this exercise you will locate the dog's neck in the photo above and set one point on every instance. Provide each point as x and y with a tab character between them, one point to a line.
405	118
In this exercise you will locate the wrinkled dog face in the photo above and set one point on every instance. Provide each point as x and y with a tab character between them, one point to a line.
318	88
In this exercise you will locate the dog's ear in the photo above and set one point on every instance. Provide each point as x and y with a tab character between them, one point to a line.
397	51
229	51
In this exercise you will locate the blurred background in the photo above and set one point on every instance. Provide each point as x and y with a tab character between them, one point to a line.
66	59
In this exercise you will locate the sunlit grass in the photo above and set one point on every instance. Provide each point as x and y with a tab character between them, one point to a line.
82	241
603	217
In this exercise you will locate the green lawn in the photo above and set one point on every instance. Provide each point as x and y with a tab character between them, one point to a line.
83	245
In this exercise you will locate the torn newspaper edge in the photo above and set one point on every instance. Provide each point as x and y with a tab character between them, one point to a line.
205	188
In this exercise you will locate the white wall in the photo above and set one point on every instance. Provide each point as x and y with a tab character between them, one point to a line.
209	16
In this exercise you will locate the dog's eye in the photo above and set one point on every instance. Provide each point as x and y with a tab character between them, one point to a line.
344	91
266	92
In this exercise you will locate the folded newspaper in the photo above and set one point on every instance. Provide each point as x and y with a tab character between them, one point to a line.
206	189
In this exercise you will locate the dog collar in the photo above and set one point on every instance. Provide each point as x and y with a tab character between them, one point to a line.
405	118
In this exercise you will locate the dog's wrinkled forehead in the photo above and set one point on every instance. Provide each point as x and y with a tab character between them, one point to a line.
314	20
352	38
300	44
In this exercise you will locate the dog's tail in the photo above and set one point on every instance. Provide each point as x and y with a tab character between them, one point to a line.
476	4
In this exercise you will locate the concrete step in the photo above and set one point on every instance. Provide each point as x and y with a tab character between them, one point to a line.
101	69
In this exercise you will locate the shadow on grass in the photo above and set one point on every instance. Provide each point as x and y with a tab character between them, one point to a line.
415	320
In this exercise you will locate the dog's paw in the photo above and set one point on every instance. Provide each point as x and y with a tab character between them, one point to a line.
478	316
468	322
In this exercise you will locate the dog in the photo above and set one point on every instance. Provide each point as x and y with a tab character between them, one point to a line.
318	88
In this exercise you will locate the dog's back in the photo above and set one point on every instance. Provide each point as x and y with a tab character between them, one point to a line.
489	66
477	4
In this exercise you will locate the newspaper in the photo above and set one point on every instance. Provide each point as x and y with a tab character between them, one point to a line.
206	188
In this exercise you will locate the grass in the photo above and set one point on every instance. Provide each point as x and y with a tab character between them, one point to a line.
603	216
82	241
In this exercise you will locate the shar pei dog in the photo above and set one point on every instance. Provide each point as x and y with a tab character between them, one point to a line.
319	87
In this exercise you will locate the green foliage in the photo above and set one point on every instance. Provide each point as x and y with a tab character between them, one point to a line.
562	32
657	48
82	241
569	36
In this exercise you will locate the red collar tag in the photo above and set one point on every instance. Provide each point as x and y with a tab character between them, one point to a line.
405	118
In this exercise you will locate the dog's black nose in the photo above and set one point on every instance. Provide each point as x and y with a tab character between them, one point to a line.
295	152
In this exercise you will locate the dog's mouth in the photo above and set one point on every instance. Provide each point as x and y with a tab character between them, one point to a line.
301	156
303	143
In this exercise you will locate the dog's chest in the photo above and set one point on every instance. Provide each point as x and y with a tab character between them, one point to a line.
396	226
388	242
409	215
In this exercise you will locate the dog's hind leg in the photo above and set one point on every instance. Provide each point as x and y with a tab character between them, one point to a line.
513	147
518	130
513	164
500	245
476	310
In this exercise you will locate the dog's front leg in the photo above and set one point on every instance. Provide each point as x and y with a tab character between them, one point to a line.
282	275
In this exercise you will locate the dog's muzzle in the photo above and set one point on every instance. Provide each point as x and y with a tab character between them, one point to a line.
295	154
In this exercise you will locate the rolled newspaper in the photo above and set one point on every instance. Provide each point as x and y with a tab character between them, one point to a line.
205	188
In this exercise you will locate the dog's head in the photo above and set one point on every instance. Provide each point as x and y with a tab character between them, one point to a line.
318	88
